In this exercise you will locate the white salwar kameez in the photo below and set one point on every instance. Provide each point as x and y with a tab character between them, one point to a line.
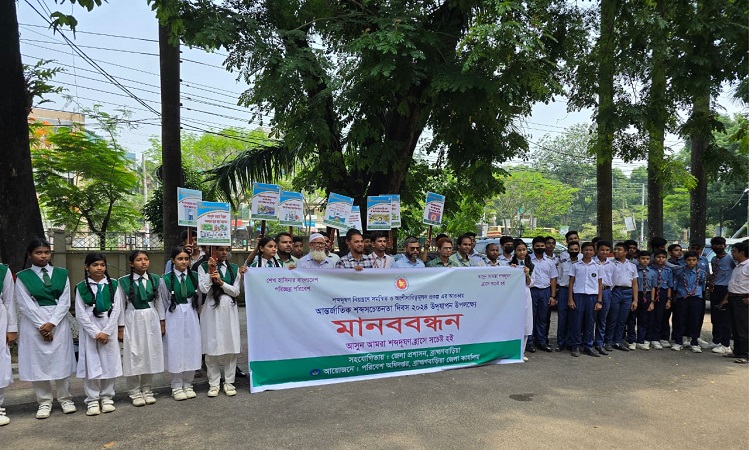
182	340
98	364
528	327
40	361
8	324
142	350
220	327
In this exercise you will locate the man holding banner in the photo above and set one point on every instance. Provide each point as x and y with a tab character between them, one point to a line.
411	251
356	258
317	258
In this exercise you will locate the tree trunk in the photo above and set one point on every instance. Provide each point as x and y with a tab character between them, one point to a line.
171	156
657	123
698	145
605	119
20	219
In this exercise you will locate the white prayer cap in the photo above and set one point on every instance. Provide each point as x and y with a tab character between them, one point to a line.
315	236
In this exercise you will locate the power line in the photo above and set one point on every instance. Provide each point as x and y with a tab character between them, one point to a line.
96	34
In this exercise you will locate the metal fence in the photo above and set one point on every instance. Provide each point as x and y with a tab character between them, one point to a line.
87	241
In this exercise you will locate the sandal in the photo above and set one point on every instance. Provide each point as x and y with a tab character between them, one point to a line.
740	361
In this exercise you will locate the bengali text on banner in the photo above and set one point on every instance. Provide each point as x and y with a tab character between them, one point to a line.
309	327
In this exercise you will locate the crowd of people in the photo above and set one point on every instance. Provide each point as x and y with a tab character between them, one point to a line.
607	296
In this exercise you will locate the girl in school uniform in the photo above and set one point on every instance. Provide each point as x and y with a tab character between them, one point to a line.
220	322
45	349
97	314
182	340
521	258
140	328
8	334
267	249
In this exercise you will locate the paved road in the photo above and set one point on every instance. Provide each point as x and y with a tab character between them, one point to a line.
654	399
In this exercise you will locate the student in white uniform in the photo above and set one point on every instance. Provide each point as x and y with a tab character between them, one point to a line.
182	341
220	321
97	312
8	334
522	259
45	349
141	327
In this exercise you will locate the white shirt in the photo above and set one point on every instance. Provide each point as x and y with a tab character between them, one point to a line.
586	277
502	260
606	268
563	271
382	263
738	283
308	263
544	271
624	273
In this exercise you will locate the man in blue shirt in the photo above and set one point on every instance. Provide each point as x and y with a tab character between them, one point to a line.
410	259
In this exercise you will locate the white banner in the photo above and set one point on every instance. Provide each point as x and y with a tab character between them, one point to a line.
308	327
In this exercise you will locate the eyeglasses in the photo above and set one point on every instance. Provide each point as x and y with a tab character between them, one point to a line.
318	244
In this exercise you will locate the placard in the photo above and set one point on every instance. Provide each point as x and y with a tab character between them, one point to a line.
379	212
292	209
187	206
433	209
355	219
265	203
337	211
395	211
214	223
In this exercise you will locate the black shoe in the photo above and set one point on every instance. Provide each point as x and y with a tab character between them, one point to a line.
621	347
531	349
240	373
590	351
601	351
575	352
546	348
559	349
608	348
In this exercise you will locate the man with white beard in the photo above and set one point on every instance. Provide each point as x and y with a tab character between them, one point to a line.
317	258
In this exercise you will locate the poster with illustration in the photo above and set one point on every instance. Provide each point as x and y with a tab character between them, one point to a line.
395	211
379	212
337	211
355	219
292	209
433	209
187	206
265	203
214	224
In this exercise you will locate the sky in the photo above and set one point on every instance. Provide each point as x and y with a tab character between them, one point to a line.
122	38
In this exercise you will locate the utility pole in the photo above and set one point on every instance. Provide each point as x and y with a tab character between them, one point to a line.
171	155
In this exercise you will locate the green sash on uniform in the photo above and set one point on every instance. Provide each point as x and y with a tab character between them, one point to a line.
226	277
139	300
178	297
106	297
3	271
44	296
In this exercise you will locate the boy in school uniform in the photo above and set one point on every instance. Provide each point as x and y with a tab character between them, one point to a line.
563	279
570	236
689	285
606	268
550	244
624	284
646	300
507	247
584	298
721	271
663	299
543	292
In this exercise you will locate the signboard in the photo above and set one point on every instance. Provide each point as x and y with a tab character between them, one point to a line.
292	209
395	211
214	224
265	203
433	209
309	327
187	206
379	212
337	211
355	219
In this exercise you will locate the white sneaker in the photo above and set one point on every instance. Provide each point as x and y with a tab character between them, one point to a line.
720	349
108	405
189	392
631	346
696	349
92	409
643	346
677	347
525	359
4	420
45	409
68	407
664	343
686	342
705	344
179	394
656	345
138	399
229	390
213	391
148	397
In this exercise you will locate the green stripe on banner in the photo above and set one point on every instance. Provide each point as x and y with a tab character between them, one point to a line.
266	373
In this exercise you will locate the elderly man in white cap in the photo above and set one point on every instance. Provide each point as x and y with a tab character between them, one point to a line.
316	259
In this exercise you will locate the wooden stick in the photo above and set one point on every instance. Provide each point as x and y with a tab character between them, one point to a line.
262	227
291	231
427	244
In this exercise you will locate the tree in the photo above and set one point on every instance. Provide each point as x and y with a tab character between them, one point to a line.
82	178
352	86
